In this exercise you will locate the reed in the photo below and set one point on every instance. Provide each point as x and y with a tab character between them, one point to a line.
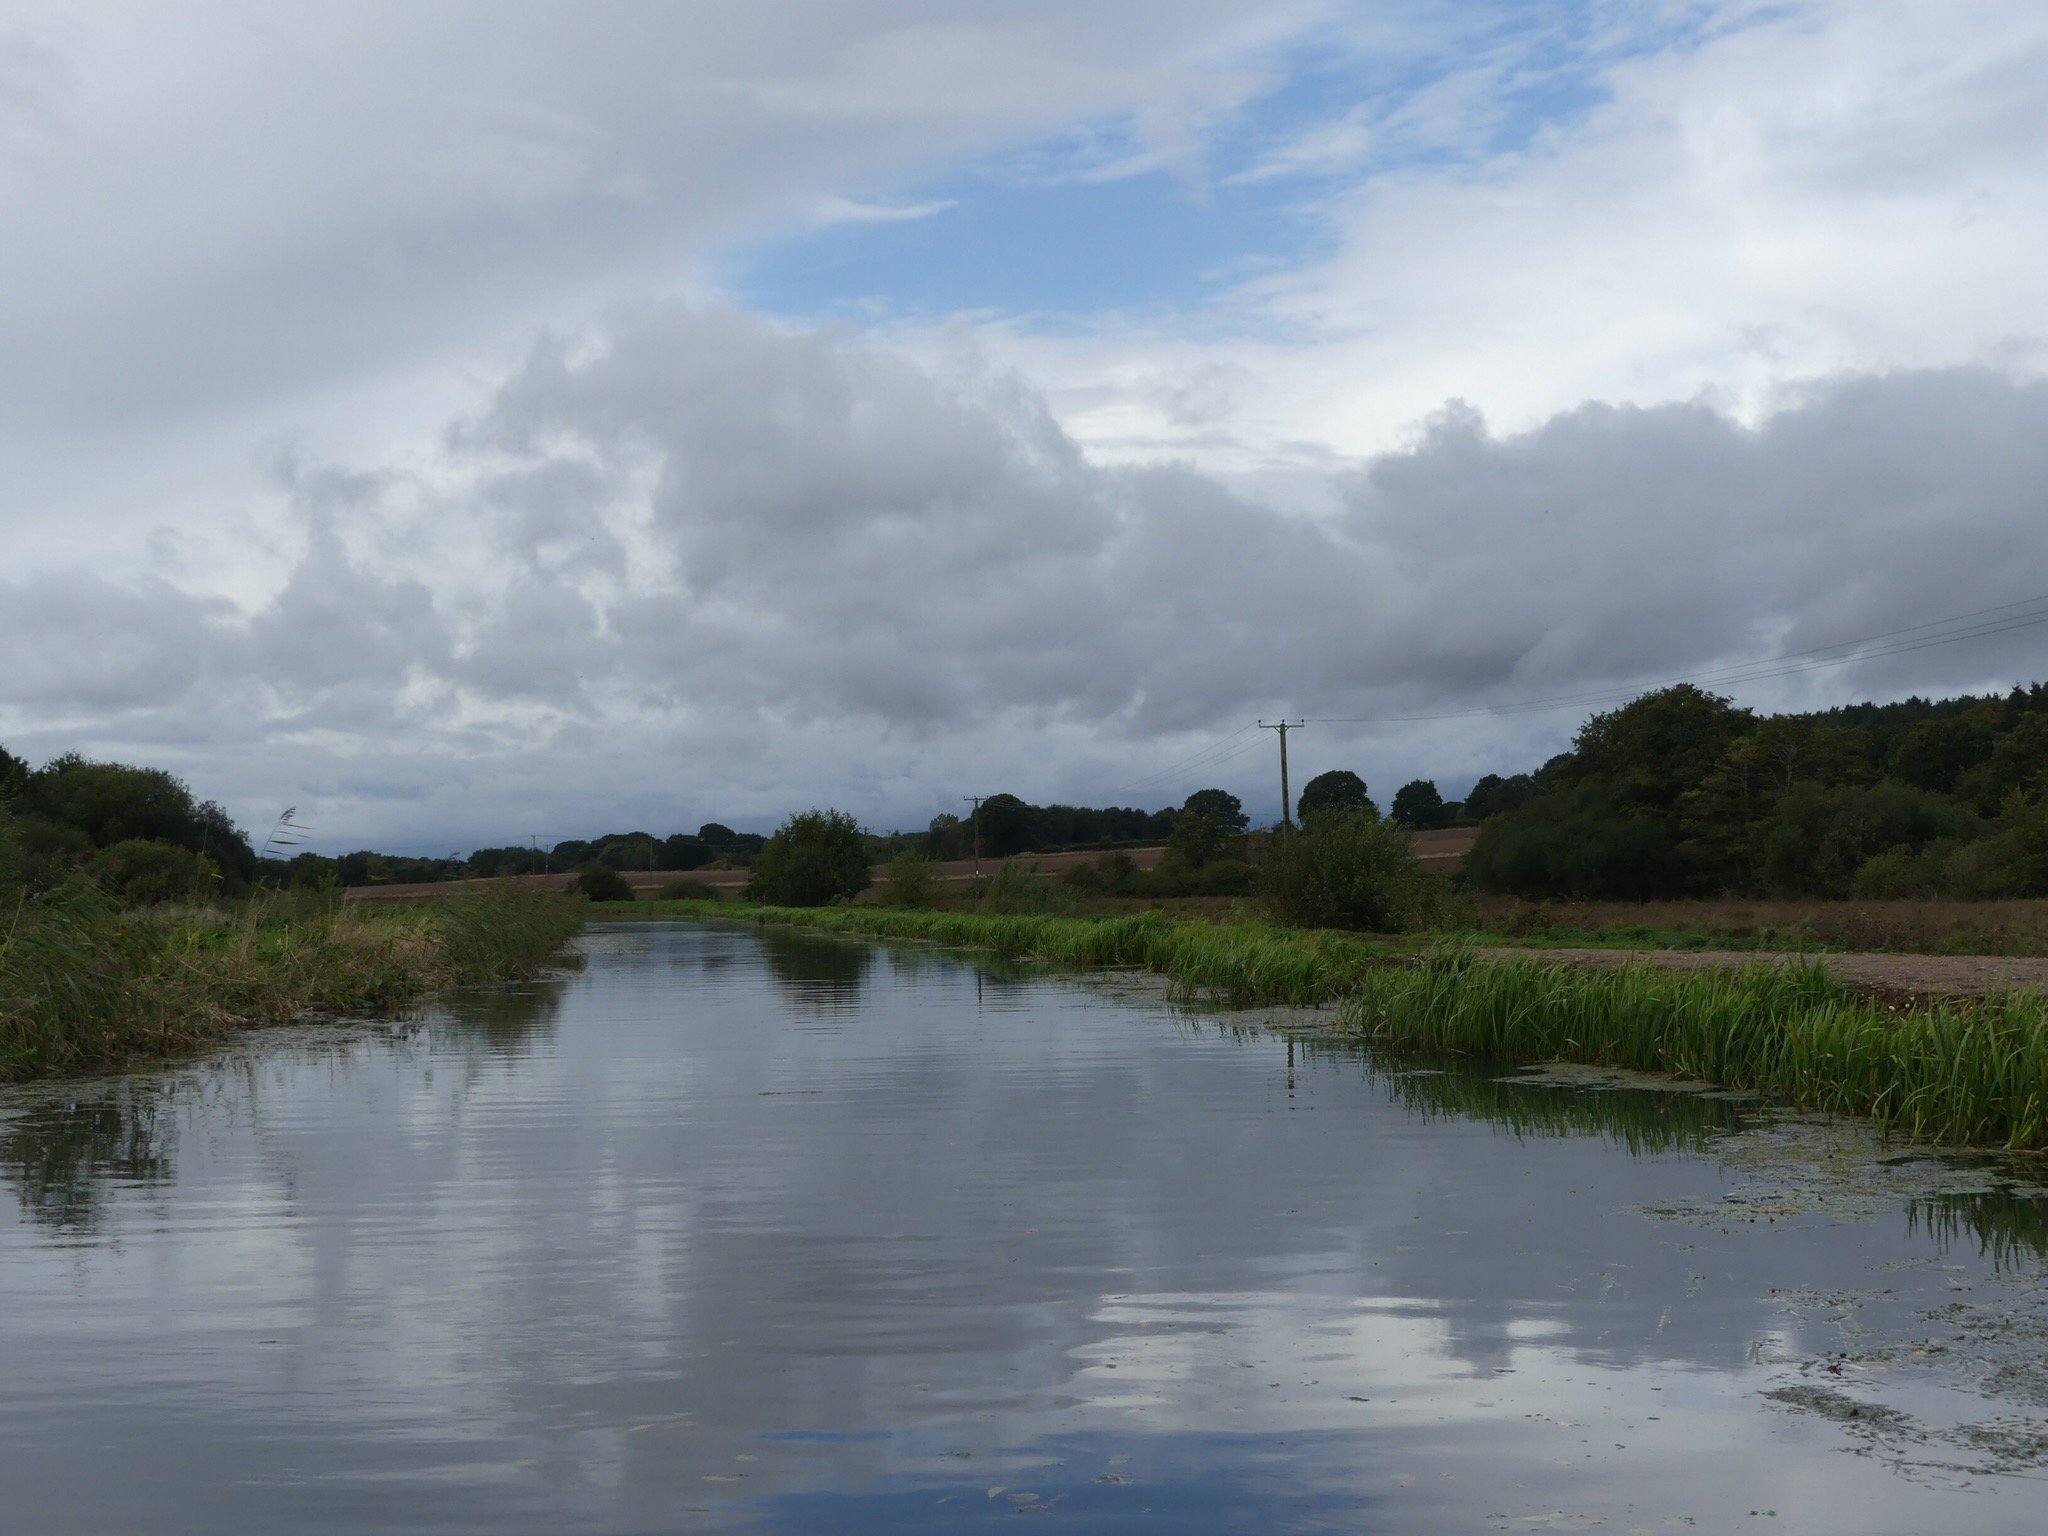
86	986
1964	1073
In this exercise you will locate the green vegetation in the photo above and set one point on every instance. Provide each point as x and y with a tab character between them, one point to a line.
1015	889
85	985
1418	804
912	880
600	882
1906	927
1679	793
1963	1074
814	857
1347	869
1338	790
1956	1073
138	832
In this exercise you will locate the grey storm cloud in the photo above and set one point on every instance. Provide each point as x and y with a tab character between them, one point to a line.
691	514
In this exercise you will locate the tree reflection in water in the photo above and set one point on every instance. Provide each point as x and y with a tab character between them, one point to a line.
66	1151
62	1155
821	975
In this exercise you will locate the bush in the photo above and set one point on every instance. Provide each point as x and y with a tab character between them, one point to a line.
36	854
1576	843
600	882
1114	874
1346	870
141	873
1176	877
1016	891
912	880
815	857
1817	839
687	890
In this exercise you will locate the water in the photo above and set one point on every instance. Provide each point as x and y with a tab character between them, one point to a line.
740	1230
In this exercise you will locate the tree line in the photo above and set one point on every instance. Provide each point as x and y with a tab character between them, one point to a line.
138	833
1681	793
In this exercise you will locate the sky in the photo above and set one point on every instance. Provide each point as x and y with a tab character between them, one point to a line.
467	424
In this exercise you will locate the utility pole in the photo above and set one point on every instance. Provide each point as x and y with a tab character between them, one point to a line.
1286	804
975	821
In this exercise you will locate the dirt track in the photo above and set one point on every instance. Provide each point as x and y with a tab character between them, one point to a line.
1900	976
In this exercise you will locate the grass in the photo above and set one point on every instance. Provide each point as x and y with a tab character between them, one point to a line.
1958	1073
1902	927
85	986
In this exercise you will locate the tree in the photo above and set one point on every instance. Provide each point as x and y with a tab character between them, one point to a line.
1577	842
1417	804
682	851
1346	869
13	775
114	803
912	880
1209	827
1220	805
1008	826
1653	749
139	874
1338	790
1935	753
1494	795
600	882
813	858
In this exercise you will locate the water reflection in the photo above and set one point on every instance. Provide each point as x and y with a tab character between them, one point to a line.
496	1022
2008	1226
651	1249
60	1155
819	973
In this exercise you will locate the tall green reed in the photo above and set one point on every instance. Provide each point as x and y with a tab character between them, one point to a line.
1960	1072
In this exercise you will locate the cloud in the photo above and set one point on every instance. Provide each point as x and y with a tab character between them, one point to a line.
1610	344
1718	197
877	577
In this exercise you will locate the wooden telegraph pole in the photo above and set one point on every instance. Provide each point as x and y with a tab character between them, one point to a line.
975	821
1286	803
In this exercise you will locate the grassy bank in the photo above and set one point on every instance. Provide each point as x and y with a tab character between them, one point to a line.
85	986
1959	1073
1899	927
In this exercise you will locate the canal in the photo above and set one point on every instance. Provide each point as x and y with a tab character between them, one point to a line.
740	1229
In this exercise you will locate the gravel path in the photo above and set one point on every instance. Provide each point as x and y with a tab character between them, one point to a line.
1892	975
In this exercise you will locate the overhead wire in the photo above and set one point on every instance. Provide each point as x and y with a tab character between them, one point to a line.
1972	624
1840	653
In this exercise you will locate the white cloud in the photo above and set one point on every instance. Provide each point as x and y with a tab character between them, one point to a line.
1749	338
809	568
1801	191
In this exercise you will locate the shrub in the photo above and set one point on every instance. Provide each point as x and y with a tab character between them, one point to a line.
814	857
1345	870
36	854
912	881
600	882
1576	842
687	890
1114	874
1016	891
139	872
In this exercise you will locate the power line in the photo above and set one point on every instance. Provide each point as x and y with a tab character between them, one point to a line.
1216	752
1792	663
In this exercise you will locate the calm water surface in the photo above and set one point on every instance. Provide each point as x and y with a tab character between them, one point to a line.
743	1230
